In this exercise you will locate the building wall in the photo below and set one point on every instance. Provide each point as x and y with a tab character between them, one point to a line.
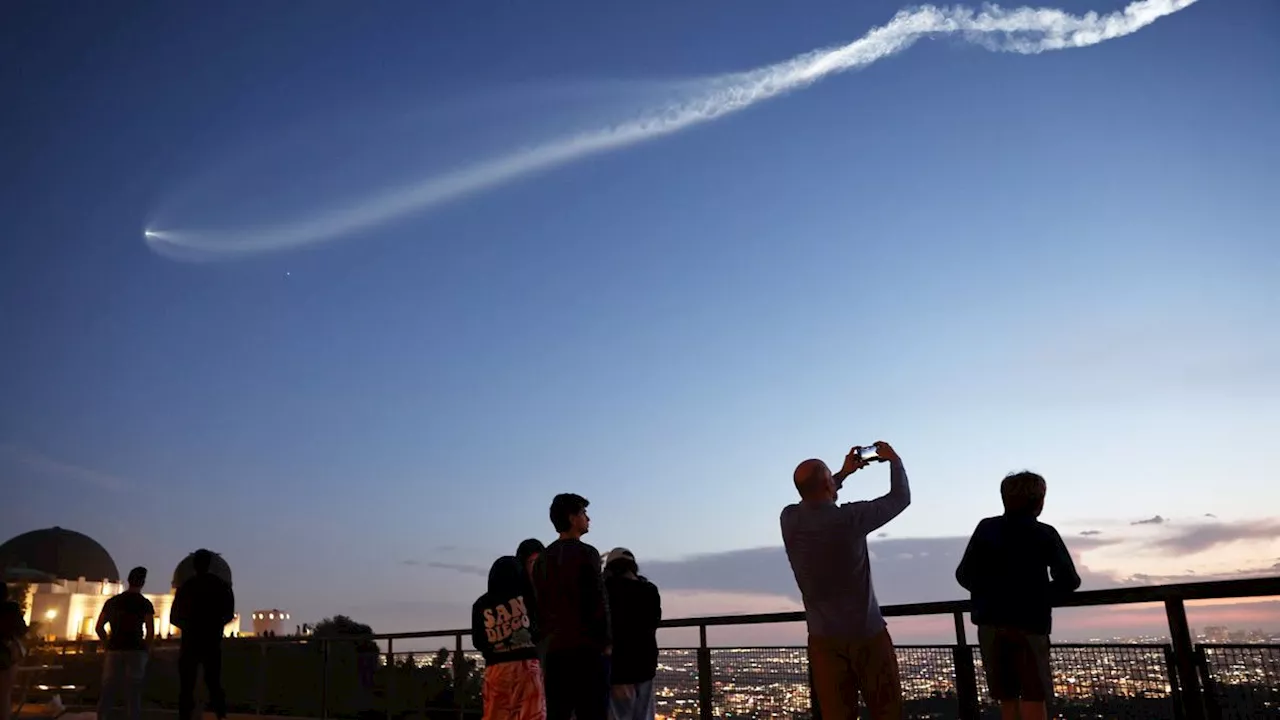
275	621
69	609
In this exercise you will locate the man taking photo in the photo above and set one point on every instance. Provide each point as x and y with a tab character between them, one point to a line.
850	651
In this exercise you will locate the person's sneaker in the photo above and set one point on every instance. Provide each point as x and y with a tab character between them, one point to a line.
56	708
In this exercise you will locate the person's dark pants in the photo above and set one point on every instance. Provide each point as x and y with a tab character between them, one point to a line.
1016	664
576	684
192	655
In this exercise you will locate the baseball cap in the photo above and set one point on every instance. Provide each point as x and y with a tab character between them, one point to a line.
617	554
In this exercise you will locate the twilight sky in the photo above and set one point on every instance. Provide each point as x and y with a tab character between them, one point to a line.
993	261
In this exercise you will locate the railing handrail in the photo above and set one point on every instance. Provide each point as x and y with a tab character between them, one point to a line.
1209	590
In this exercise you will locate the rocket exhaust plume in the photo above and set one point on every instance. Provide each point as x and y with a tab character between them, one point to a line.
1021	30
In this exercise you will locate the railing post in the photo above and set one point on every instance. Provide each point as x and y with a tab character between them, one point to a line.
966	676
324	679
1209	689
1185	659
458	664
391	674
705	680
1175	689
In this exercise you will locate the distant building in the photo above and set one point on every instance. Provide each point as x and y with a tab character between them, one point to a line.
69	577
273	621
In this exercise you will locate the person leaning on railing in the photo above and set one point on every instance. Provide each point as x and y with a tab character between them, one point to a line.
850	650
635	608
1015	567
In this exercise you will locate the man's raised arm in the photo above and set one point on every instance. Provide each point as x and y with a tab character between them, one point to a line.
874	514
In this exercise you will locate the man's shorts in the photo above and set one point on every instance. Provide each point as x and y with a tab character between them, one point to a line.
1016	664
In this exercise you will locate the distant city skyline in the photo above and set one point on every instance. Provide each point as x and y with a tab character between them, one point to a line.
1063	262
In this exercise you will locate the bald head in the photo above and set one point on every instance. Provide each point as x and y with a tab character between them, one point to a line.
813	479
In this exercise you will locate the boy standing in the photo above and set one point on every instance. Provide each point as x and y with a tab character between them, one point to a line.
1015	568
574	614
132	621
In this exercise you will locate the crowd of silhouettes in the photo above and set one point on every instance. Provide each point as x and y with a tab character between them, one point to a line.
567	633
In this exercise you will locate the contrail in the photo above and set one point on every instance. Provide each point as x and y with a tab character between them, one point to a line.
1021	30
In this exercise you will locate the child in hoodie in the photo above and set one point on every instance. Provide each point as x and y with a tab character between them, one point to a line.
502	629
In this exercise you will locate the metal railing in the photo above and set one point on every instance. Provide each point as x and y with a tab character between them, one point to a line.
379	676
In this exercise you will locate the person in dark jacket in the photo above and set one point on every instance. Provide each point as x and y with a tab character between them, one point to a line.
574	613
635	608
1015	568
503	630
202	607
13	627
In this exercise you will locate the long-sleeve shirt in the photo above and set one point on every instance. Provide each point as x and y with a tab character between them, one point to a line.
1015	568
572	608
635	607
826	545
202	607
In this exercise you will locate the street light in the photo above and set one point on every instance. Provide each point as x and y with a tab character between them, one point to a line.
51	614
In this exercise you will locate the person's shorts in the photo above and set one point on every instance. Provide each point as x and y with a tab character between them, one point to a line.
1016	664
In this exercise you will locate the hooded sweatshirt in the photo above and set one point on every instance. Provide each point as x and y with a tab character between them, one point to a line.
502	626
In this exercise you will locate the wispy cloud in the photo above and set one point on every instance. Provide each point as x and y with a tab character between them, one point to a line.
1090	533
1188	540
460	567
1157	520
58	469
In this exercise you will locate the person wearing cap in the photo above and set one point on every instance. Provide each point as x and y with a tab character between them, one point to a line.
635	608
132	621
850	650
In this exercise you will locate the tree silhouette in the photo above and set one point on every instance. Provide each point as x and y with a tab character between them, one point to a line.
341	627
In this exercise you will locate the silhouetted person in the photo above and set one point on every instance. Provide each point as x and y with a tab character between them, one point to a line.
850	650
1015	567
573	612
635	609
202	607
505	633
13	627
527	553
132	620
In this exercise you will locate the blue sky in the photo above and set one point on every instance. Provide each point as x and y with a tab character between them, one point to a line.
1065	262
